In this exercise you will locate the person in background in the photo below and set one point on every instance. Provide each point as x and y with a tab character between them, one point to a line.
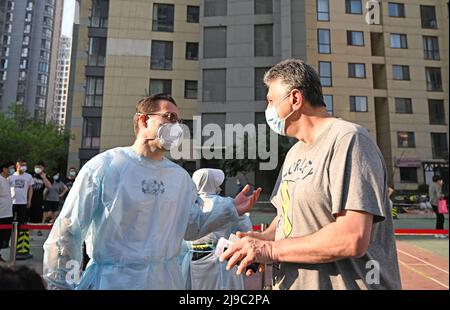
41	182
21	184
6	214
54	194
202	268
71	176
435	192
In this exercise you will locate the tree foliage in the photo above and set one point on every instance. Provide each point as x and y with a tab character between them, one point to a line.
23	137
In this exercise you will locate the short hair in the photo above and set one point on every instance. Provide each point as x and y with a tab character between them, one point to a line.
40	163
437	178
6	164
21	160
149	104
20	278
296	74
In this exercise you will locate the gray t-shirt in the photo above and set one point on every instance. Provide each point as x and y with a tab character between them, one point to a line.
54	191
342	169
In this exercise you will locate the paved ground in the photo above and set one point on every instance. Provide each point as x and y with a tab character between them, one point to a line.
423	260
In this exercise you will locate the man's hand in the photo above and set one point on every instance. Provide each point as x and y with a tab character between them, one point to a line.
247	251
245	203
28	204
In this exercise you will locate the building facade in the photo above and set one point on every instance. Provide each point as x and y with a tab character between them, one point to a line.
125	50
382	65
26	54
60	94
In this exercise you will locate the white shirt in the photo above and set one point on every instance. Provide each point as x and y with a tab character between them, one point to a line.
19	184
5	198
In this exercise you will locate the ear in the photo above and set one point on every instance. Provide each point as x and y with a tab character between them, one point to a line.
142	120
297	99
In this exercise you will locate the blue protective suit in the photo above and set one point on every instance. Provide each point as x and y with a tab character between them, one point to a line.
208	273
133	214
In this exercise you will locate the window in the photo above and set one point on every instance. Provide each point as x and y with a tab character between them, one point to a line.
158	86
192	50
434	79
161	55
99	13
214	85
406	139
260	87
94	92
96	51
43	67
190	89
353	7
428	16
24	52
163	17
328	100
439	145
28	17
23	64
325	73
403	105
263	40
357	70
27	29
436	112
263	6
355	38
400	72
398	40
408	174
215	8
358	104
26	40
323	10
324	41
431	48
215	42
193	14
45	44
91	132
396	9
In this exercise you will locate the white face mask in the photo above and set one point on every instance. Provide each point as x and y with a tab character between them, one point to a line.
72	173
23	168
37	170
169	135
56	177
275	122
11	170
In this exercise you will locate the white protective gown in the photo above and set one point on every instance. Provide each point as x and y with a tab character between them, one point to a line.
133	214
208	273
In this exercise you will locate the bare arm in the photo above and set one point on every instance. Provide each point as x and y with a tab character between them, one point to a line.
46	181
268	234
65	189
348	237
30	195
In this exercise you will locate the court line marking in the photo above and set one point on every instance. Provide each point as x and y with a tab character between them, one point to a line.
423	274
421	260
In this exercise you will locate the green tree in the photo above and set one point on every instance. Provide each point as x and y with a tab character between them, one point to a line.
21	136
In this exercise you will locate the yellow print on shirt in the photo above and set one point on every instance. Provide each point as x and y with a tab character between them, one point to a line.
286	202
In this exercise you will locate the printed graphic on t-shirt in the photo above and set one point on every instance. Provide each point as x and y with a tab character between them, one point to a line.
152	187
298	171
19	183
38	184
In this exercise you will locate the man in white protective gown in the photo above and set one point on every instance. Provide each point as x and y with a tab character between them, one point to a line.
133	207
201	264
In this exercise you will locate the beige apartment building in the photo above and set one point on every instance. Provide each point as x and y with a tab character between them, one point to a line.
390	76
383	64
124	50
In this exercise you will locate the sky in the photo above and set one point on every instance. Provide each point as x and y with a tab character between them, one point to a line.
68	15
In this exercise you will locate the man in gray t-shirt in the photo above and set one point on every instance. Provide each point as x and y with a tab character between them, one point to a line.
333	228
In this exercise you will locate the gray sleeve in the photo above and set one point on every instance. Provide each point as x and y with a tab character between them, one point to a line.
358	177
275	198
